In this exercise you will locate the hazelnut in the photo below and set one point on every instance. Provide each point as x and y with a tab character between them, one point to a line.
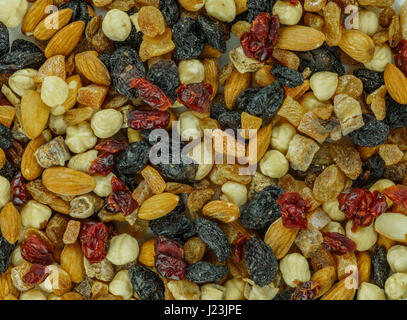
5	195
80	138
294	267
116	25
57	124
324	84
82	161
368	22
234	289
234	192
396	286
382	56
103	185
122	249
106	123
288	14
12	12
369	291
189	126
397	258
22	80
281	136
274	164
191	71
334	226
16	258
121	285
223	10
364	237
35	215
54	91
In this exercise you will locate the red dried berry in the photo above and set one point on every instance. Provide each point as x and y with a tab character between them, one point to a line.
36	275
195	96
148	120
400	56
94	238
337	243
238	248
294	210
18	189
169	247
111	146
103	164
397	194
259	43
169	258
121	199
36	250
151	94
306	291
360	206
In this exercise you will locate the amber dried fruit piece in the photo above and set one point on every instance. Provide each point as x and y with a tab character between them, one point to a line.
157	46
153	179
329	184
347	158
151	21
92	95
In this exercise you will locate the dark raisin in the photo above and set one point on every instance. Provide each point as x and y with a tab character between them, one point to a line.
245	97
380	267
230	120
214	238
170	11
286	76
133	40
164	74
134	158
4	39
24	45
129	180
8	170
254	7
21	59
6	138
217	109
371	80
260	261
80	10
6	250
324	58
203	272
284	295
396	114
146	283
372	134
105	58
372	170
395	173
188	38
213	32
262	210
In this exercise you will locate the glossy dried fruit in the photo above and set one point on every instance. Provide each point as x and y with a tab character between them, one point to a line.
6	250
372	170
204	272
18	190
94	238
371	80
151	94
397	194
36	275
151	21
121	199
36	250
306	291
294	210
146	283
148	120
214	33
195	96
287	76
111	146
164	74
4	39
188	38
134	158
170	10
103	164
324	58
169	258
6	138
372	134
338	243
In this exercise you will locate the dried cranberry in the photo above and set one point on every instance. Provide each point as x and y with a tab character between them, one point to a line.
36	275
103	164
94	238
19	190
238	248
121	198
400	57
259	43
148	120
294	210
195	96
360	206
151	94
111	146
169	258
338	243
36	250
306	291
169	247
397	194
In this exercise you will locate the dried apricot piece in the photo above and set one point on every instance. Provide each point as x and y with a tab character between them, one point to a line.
151	21
53	66
92	95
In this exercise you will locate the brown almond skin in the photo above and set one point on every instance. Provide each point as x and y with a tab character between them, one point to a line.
92	68
223	211
158	206
364	266
235	85
357	45
326	278
340	292
63	17
72	262
299	38
34	114
34	15
280	238
396	83
30	169
10	223
65	40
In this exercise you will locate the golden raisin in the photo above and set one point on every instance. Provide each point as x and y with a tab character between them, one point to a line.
151	21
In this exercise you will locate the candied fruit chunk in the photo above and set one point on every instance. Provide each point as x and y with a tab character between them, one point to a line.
92	96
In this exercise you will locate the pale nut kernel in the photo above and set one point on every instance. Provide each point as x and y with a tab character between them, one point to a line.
234	289
294	267
370	291
46	285
122	249
22	80
380	185
12	12
274	164
54	91
288	13
202	154
234	192
5	194
223	10
191	71
57	124
103	185
82	161
106	123
116	25
189	126
212	291
281	136
397	258
396	286
310	101
382	56
364	237
323	84
33	294
332	209
16	259
121	285
334	226
368	22
80	138
35	215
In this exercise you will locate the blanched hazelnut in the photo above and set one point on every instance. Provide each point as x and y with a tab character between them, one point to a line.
368	22
80	138
103	185
288	14
116	25
191	71
212	291
22	80
12	12
106	123
122	249
54	91
274	164
234	192
223	10
396	286
82	161
57	124
35	215
189	126
324	84
332	209
5	194
310	101
334	226
369	291
364	237
33	294
234	289
281	136
382	56
121	285
397	258
294	267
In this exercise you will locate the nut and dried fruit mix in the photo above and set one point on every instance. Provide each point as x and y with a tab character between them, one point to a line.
311	93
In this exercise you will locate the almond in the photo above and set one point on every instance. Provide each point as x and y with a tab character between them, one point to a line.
211	74
34	15
10	223
147	253
280	238
326	278
357	45
92	68
158	206
30	169
7	288
66	181
340	291
72	262
364	266
65	40
299	38
223	211
51	24
235	85
34	114
153	179
396	83
259	144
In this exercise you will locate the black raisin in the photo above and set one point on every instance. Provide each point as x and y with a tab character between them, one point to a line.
372	134
260	261
146	283
6	138
23	54
214	238
80	10
170	11
217	109
230	120
164	74
203	272
245	97
214	33
6	249
134	158
284	295
24	45
8	170
105	58
380	267
129	180
324	58
371	80
286	76
262	210
372	170
396	114
188	38
254	7
4	39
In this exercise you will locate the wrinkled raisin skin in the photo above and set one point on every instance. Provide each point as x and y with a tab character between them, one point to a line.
164	74
79	9
4	39
324	58
36	250
170	11
188	38
204	272
214	33
6	249
380	267
372	170
146	283
134	158
372	134
306	291
396	114
371	80
6	138
286	76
